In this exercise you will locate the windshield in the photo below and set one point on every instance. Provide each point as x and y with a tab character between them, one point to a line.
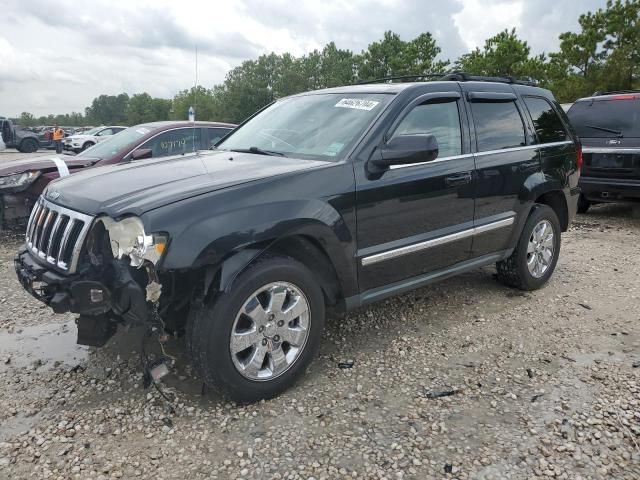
606	118
115	143
316	126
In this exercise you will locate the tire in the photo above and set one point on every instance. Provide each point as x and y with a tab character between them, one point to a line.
515	271
87	145
241	376
583	204
28	145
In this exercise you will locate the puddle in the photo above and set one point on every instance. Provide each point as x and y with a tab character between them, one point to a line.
49	343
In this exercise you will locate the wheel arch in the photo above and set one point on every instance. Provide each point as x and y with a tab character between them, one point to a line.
556	200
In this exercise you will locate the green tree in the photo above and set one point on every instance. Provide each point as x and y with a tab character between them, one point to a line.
392	57
108	109
27	119
503	54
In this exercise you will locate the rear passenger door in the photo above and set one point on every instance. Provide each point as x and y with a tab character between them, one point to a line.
505	158
416	218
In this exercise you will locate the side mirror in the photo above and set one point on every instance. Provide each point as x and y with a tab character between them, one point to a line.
141	154
407	149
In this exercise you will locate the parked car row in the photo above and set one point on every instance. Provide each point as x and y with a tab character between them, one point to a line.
22	182
334	198
330	199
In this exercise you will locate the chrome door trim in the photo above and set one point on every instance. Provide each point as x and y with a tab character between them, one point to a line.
416	247
492	152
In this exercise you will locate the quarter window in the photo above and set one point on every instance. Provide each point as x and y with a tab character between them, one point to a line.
441	120
215	134
174	142
498	125
549	127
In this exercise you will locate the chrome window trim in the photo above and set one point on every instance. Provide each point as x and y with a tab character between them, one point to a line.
416	247
491	152
610	150
526	147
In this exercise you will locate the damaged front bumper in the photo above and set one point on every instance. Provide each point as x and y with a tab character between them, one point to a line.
103	299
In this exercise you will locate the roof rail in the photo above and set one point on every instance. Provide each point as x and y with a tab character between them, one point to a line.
452	76
401	77
614	92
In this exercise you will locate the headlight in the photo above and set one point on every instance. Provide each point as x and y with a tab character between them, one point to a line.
18	180
128	239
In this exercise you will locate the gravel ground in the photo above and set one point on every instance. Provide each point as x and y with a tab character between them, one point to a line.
540	385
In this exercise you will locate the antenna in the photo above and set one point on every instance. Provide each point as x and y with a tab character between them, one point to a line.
195	103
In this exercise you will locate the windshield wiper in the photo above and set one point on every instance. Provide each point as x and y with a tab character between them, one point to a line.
605	129
258	151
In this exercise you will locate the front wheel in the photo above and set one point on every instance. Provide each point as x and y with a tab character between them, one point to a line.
533	261
87	145
255	341
28	145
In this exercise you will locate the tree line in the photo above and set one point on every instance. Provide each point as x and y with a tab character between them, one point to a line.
603	55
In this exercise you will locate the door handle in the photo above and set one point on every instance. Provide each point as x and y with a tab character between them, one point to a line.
458	179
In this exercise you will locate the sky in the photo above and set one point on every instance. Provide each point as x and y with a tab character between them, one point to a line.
56	56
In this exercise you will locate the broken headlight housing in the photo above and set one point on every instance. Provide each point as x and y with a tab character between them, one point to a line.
19	180
128	239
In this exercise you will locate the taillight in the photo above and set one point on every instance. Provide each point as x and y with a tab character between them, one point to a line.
579	158
625	97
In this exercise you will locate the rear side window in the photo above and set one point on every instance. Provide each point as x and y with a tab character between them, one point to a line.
215	135
549	127
607	118
498	125
441	120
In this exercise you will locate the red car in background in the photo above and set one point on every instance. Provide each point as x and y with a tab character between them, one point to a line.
22	181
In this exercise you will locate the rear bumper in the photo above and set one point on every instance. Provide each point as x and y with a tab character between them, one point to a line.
610	189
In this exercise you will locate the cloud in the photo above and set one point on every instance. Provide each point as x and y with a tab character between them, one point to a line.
57	56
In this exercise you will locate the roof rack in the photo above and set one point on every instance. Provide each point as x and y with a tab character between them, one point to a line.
453	76
614	92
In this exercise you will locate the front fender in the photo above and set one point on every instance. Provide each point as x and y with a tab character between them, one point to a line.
210	241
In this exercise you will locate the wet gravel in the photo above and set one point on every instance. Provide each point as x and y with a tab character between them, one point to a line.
464	379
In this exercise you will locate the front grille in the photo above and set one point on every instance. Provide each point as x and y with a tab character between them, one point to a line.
55	234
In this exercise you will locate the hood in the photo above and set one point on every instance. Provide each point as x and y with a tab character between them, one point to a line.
137	187
43	164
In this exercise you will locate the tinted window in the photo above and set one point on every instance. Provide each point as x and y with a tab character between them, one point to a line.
439	119
216	134
549	127
174	142
498	125
606	118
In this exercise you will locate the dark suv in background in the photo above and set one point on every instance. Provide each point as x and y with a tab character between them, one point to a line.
334	198
609	127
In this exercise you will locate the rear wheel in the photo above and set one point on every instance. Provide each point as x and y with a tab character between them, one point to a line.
583	204
257	340
28	145
533	261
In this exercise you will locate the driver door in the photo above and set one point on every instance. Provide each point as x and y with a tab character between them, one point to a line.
418	218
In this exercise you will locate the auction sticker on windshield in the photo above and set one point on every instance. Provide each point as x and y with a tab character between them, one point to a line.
357	103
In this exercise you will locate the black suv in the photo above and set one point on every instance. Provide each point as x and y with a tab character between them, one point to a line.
334	198
609	127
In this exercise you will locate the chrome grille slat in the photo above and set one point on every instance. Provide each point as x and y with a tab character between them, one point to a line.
54	231
51	231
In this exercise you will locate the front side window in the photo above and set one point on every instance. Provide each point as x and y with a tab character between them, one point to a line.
174	142
549	127
498	125
314	126
441	120
105	132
